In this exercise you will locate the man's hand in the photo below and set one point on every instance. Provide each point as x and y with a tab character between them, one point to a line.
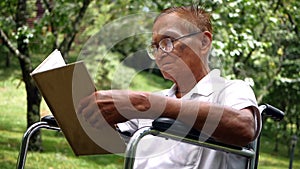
113	106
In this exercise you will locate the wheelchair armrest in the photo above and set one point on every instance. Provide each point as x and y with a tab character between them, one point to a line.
178	128
50	120
272	112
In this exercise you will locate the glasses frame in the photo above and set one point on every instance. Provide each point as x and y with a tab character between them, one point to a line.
152	49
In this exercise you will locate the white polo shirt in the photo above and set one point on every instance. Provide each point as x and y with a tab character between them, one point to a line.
156	152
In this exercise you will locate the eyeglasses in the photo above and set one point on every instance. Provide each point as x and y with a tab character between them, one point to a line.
166	45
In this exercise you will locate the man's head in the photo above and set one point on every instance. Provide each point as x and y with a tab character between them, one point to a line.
181	43
197	17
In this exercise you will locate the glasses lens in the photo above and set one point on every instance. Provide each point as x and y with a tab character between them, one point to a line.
151	50
166	45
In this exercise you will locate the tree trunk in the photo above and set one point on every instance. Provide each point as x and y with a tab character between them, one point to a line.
8	60
33	95
276	143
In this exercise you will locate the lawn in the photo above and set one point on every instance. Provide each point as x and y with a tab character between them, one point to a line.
57	153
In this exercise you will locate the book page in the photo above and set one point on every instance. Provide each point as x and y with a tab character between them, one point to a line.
54	60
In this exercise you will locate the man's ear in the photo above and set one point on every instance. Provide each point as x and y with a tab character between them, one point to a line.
206	40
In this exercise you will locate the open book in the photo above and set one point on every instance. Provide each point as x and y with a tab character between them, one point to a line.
63	86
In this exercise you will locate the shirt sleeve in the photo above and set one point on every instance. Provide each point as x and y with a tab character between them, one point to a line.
126	129
239	95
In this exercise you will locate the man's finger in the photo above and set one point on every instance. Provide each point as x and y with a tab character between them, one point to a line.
85	102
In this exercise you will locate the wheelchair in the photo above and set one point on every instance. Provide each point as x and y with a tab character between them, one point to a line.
169	129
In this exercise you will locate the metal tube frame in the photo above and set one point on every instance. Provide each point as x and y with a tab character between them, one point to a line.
25	140
251	154
135	139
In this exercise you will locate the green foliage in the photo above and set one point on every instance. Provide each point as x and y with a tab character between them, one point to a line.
7	13
253	40
104	69
24	32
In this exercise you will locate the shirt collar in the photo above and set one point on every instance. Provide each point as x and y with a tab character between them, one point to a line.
205	87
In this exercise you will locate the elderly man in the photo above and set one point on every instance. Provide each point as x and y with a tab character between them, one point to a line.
224	109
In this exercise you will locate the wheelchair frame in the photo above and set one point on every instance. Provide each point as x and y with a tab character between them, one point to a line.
161	127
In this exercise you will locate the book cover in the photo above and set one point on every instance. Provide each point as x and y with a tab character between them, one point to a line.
63	86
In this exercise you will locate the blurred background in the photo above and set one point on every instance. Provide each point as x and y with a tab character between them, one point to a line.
256	41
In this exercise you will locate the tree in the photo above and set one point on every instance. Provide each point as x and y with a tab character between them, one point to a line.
23	35
22	52
256	41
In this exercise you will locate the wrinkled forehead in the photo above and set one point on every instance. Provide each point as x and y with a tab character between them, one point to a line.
172	23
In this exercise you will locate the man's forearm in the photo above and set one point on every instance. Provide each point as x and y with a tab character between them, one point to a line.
223	123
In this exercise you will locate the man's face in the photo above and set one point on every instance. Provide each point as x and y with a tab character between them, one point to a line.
184	61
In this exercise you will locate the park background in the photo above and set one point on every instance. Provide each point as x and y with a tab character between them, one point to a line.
256	41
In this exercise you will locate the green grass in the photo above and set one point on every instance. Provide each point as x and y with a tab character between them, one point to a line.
269	159
147	82
57	153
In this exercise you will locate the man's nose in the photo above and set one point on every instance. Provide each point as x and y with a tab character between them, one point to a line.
160	54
